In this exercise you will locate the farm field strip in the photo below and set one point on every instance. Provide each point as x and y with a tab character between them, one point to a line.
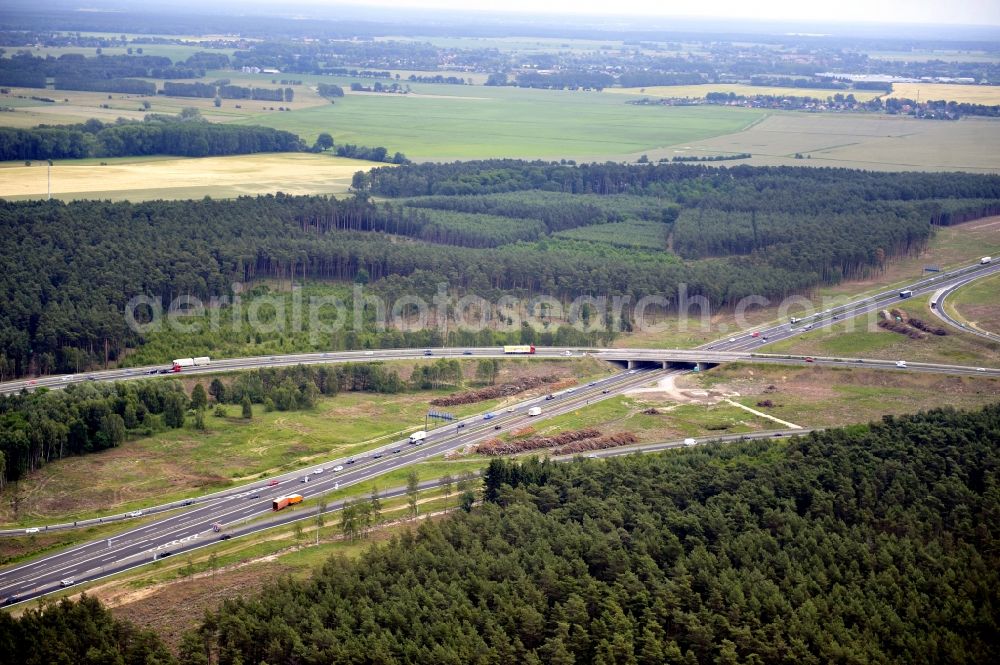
699	91
178	177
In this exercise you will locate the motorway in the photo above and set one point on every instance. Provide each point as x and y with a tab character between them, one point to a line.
245	506
713	352
945	282
248	507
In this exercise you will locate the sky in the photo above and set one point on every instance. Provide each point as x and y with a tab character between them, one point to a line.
967	12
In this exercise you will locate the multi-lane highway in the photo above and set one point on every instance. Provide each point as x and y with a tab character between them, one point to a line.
743	341
248	509
243	507
945	282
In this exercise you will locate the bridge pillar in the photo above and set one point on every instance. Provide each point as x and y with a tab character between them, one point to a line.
631	364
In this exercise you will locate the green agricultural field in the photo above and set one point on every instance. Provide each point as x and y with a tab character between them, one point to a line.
443	122
77	106
978	304
856	140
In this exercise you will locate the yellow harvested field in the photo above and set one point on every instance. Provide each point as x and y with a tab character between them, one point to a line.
951	92
174	178
699	91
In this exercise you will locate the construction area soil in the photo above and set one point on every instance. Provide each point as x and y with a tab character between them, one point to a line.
827	397
171	609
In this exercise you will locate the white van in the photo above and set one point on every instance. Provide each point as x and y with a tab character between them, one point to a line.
535	411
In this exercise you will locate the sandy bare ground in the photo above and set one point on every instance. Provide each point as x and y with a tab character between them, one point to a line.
666	389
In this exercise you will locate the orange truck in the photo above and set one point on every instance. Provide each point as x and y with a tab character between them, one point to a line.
285	501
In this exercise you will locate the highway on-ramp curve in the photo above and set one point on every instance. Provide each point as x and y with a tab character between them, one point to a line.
937	307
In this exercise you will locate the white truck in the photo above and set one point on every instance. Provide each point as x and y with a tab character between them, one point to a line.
417	438
985	260
180	363
535	411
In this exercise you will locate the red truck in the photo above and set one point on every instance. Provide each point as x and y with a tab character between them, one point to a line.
285	501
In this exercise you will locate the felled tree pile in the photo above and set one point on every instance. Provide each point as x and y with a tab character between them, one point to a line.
919	324
499	447
896	321
493	392
600	443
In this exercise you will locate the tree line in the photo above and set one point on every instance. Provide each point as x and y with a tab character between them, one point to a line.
741	231
102	72
510	175
874	543
186	135
43	426
39	427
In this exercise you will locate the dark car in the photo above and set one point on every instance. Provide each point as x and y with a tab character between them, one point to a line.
550	397
397	450
428	352
466	353
376	455
460	426
12	598
188	502
350	461
153	371
225	536
256	495
167	553
604	392
165	371
496	427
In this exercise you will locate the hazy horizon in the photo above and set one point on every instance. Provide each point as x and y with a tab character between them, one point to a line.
736	15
